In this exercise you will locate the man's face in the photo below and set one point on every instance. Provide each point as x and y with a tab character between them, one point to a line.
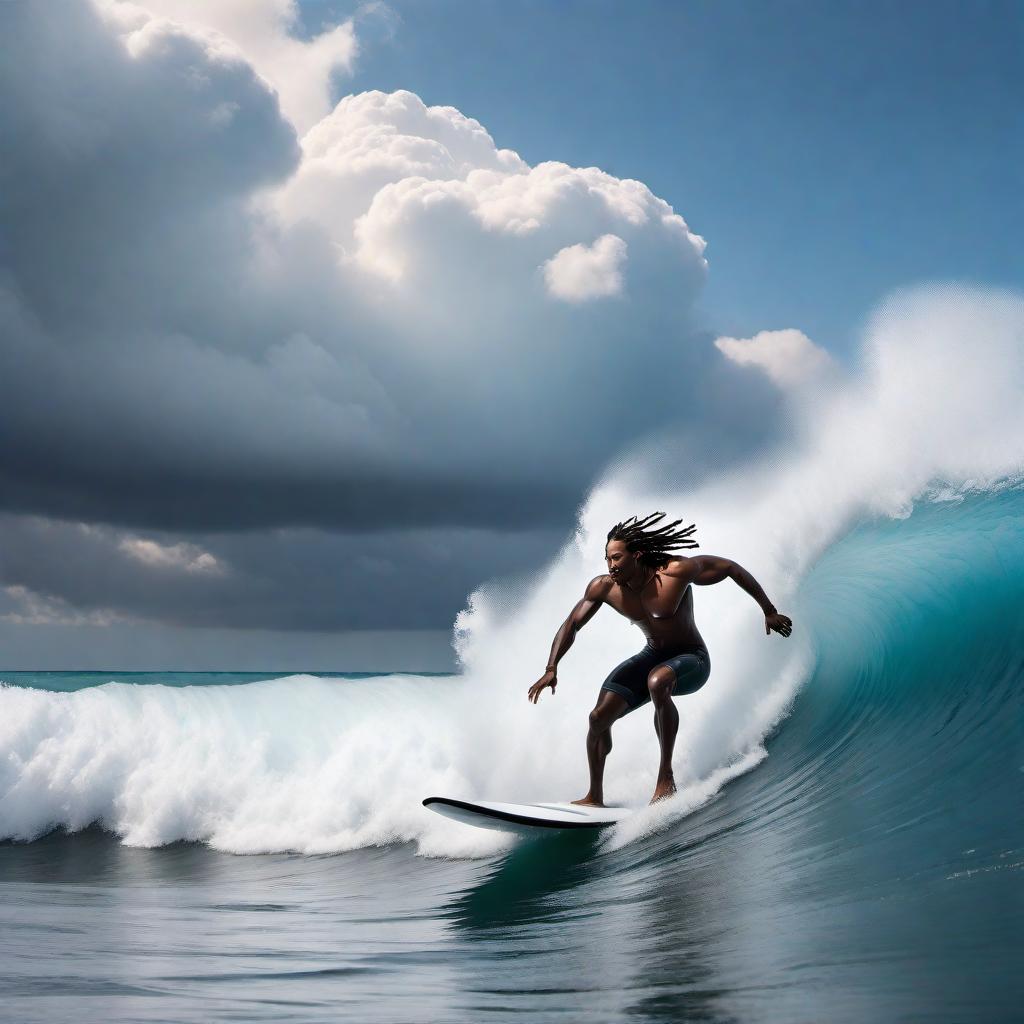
621	562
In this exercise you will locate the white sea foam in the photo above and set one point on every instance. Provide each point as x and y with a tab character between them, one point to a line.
319	765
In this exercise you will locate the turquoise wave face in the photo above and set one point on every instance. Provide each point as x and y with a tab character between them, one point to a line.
897	778
918	634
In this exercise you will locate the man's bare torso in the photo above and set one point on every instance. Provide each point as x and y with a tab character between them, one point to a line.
662	608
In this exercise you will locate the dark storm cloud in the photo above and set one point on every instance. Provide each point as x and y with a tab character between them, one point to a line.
296	580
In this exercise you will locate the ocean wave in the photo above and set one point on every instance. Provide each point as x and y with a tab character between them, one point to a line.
887	524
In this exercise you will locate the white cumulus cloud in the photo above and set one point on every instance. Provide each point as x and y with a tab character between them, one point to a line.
579	272
263	33
788	357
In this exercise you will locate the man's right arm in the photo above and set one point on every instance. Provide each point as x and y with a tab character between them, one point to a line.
584	611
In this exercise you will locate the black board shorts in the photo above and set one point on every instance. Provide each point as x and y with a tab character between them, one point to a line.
691	665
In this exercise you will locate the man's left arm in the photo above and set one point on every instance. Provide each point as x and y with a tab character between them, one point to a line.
714	569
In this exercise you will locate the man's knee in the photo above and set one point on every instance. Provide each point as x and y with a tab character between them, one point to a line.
601	720
660	683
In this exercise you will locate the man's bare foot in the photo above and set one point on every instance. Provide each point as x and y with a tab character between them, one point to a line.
664	788
588	801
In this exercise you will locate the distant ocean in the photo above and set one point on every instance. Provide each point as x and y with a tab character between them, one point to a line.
225	847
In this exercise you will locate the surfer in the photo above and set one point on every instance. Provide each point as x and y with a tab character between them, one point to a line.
651	587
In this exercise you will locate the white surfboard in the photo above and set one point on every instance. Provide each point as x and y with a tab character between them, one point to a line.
526	818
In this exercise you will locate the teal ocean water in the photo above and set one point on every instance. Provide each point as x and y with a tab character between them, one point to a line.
70	682
226	847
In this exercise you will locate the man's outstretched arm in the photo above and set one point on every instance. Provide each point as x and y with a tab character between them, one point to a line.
584	611
714	569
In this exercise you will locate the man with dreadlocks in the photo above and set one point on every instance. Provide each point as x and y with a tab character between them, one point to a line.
652	587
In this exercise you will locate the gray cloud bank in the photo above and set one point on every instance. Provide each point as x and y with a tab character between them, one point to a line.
382	340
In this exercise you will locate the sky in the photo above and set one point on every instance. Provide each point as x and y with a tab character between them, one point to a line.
829	153
315	317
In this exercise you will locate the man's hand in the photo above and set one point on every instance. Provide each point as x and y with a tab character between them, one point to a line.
548	679
782	624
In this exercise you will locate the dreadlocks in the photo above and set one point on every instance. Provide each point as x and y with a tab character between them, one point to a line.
653	546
